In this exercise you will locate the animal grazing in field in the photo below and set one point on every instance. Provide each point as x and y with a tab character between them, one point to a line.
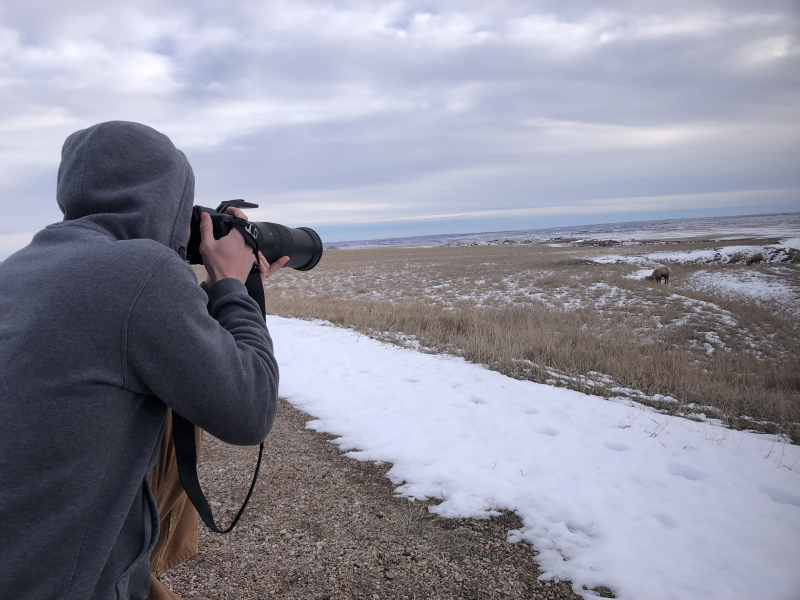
756	258
659	274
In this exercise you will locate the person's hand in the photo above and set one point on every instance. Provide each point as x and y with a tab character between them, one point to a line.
231	256
227	257
266	270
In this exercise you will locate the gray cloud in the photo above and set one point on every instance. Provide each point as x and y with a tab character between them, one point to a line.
369	119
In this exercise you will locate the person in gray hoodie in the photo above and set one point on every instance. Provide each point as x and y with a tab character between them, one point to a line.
102	327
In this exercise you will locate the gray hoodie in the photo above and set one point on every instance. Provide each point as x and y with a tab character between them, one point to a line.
102	327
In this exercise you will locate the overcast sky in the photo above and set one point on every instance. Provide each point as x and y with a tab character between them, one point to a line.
374	119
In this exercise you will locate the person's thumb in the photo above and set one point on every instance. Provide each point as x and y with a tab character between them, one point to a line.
206	229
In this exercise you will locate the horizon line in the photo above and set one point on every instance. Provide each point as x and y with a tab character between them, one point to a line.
453	235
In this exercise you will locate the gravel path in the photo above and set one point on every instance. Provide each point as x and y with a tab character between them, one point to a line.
325	527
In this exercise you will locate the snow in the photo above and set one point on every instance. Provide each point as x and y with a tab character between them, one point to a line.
765	288
649	505
639	274
793	243
724	255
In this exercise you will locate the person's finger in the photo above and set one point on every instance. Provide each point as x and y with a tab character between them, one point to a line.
263	266
206	230
236	212
277	265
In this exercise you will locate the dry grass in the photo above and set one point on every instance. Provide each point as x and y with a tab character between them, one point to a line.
550	315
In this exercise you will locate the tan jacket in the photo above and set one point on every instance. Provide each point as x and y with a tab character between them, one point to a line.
177	540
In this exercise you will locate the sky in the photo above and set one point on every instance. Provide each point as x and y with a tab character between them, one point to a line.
378	119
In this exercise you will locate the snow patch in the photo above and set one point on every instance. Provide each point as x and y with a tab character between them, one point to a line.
791	243
639	274
711	256
765	288
649	505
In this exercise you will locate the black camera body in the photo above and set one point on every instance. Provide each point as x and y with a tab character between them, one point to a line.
302	245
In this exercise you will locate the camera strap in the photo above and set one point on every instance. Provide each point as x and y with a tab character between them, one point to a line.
250	235
186	449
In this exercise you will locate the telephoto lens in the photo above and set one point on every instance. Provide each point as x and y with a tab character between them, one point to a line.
302	245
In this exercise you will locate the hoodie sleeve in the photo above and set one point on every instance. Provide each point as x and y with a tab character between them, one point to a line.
207	357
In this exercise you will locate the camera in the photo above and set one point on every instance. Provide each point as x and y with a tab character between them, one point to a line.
302	245
304	248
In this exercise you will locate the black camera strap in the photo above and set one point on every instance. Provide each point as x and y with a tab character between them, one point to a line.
186	449
250	235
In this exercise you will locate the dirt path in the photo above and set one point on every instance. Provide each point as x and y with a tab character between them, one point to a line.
325	527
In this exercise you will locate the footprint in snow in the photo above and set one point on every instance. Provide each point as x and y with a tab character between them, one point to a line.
666	521
476	400
409	380
548	431
456	384
685	471
780	496
615	446
530	411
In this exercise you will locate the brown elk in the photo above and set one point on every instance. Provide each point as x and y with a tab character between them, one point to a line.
659	274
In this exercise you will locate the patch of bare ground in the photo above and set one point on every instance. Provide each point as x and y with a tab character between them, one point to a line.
552	315
324	526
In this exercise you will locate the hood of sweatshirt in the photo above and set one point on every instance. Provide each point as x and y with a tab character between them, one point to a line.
128	180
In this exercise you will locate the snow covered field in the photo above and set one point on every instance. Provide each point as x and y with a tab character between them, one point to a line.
610	494
774	253
765	288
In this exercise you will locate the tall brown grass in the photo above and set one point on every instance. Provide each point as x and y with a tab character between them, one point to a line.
523	341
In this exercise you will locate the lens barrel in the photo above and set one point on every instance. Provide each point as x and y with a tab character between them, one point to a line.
302	245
